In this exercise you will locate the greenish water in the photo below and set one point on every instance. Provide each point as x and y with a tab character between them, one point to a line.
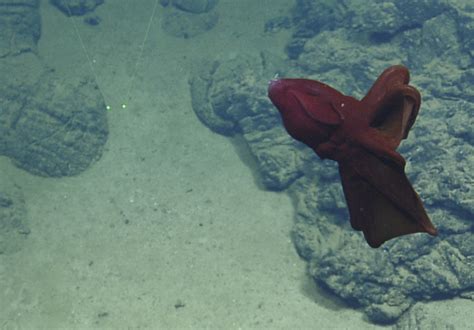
146	181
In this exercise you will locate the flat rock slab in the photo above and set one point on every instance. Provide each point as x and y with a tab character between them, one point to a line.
20	26
50	127
187	19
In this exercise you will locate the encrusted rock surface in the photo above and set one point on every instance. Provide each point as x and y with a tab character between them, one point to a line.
347	46
76	7
192	6
230	98
436	316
